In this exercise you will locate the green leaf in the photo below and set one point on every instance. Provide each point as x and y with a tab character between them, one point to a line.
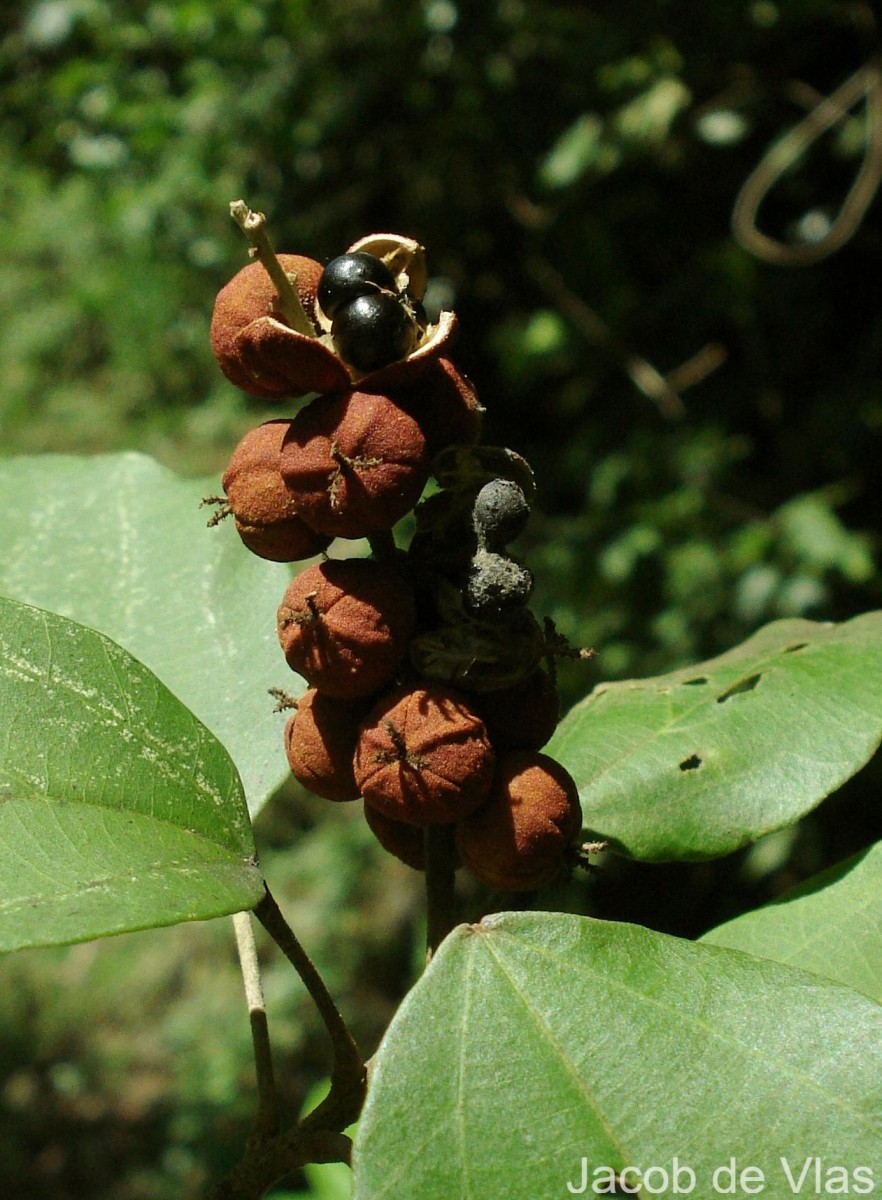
118	809
694	764
830	924
119	543
534	1041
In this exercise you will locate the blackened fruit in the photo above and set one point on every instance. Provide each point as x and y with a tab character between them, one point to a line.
355	462
264	509
496	584
352	275
423	756
500	513
344	625
519	839
371	331
320	740
522	716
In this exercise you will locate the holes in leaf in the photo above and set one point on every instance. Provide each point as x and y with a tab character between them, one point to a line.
692	763
699	679
743	685
796	646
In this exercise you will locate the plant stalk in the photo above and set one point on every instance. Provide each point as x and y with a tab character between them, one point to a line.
441	914
253	225
348	1075
267	1120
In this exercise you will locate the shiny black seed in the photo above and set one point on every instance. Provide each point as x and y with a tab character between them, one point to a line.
371	331
351	275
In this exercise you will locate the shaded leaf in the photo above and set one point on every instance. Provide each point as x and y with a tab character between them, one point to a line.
696	763
534	1040
118	809
119	543
831	924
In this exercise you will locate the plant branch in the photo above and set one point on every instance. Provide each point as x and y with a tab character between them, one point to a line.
277	1157
267	1120
645	377
440	851
348	1077
829	111
253	225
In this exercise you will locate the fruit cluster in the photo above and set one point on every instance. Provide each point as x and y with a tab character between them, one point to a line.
431	687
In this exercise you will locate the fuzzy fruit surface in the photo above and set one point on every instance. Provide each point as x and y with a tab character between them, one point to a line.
355	462
372	331
522	716
344	625
403	841
518	840
320	741
349	276
262	505
445	405
423	756
254	346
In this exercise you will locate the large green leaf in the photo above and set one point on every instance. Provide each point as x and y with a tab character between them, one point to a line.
699	762
118	809
119	543
536	1041
831	924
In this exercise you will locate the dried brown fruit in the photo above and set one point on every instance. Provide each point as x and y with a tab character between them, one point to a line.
519	839
423	756
403	841
522	716
256	348
263	507
344	625
356	462
320	741
445	405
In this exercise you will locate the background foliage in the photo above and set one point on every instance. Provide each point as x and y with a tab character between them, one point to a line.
572	169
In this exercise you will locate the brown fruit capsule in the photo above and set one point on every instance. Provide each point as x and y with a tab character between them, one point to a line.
320	741
344	625
423	756
255	347
522	716
403	841
518	840
356	463
445	405
263	507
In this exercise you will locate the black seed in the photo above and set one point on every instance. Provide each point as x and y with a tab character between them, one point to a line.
371	331
351	275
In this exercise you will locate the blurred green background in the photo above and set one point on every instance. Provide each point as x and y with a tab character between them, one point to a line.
704	426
